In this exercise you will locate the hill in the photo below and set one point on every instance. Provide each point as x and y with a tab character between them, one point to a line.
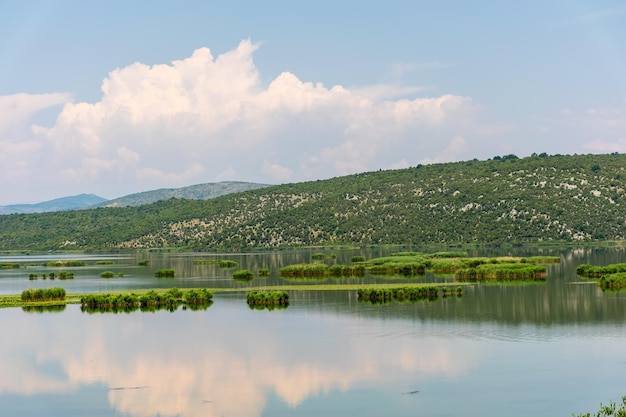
193	192
506	199
60	204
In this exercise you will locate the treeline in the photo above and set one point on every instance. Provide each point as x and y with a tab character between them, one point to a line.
505	199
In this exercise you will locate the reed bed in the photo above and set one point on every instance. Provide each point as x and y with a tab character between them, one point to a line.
303	270
321	270
613	281
321	255
105	262
243	274
165	273
171	298
594	271
541	259
226	263
502	271
267	299
43	294
65	263
206	262
387	294
9	265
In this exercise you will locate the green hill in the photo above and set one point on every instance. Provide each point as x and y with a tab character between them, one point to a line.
539	198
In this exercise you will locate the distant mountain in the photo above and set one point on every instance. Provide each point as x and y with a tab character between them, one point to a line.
60	204
193	192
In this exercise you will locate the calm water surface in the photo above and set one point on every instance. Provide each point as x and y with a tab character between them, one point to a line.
545	349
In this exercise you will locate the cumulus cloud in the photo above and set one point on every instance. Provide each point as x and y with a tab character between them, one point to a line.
206	118
601	130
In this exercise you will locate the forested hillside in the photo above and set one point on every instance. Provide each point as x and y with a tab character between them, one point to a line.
539	198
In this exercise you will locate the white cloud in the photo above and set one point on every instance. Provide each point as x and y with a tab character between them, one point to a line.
206	118
276	171
17	108
452	152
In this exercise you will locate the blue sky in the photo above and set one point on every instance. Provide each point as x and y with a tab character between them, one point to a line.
115	98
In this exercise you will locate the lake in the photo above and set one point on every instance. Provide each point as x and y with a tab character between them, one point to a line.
548	349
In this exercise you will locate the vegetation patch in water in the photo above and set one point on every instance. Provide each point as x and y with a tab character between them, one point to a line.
151	301
264	272
321	270
267	299
357	258
595	271
9	265
106	262
206	262
165	273
227	263
243	274
66	263
143	262
321	255
107	274
503	271
43	294
613	281
385	295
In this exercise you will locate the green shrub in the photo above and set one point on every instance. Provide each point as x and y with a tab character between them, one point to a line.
107	274
243	274
304	270
226	263
357	258
165	273
264	272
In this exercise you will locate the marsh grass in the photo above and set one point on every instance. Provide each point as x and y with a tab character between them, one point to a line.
226	263
107	274
401	294
165	273
243	274
502	271
43	294
9	265
267	299
65	263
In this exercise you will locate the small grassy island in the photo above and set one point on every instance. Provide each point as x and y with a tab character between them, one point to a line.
386	295
463	267
165	273
243	274
150	301
609	277
270	300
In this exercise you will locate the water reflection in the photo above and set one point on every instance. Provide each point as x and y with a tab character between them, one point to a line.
222	362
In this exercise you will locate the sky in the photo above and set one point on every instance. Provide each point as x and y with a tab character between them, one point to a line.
119	97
